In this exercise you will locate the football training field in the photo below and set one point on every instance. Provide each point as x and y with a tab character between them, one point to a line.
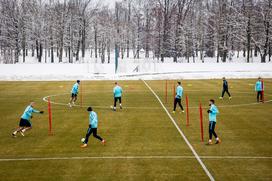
145	140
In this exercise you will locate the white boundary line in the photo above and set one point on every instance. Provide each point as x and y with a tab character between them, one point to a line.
131	157
182	135
45	99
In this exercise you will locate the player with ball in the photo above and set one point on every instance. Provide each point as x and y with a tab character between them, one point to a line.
93	122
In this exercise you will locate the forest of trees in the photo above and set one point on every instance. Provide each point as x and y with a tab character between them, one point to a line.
54	29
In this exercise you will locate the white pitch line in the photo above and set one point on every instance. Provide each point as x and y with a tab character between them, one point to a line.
236	157
45	99
182	135
134	107
132	157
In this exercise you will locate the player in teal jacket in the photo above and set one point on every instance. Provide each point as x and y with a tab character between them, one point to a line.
117	94
74	93
25	123
93	123
259	89
178	97
213	111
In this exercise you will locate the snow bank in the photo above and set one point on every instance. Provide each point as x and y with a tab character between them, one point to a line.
133	71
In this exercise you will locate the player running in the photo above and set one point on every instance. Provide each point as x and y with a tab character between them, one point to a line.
74	94
117	94
225	89
213	111
259	89
25	123
179	93
93	122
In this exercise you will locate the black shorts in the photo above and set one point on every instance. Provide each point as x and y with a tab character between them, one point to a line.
24	123
73	95
118	99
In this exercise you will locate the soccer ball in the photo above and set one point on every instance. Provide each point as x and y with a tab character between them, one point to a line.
82	140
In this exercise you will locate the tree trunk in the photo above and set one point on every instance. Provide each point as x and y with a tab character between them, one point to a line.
128	29
224	57
217	58
33	51
24	55
24	46
58	49
70	55
270	51
201	56
45	54
147	34
255	51
40	53
138	37
108	50
17	51
70	48
248	38
95	42
263	58
37	49
128	48
60	53
102	54
61	47
52	52
77	51
83	41
267	26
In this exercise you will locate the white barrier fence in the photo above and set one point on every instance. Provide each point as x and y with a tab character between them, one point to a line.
133	71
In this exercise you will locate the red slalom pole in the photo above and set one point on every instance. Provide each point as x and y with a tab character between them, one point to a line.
262	90
201	121
166	91
49	117
81	96
187	111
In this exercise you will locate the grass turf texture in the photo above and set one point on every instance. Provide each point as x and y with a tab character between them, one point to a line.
143	129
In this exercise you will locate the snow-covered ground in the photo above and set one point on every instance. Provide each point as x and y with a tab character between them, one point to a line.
133	71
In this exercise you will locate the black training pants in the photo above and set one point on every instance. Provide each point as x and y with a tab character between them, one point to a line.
89	132
211	129
225	90
259	94
117	99
177	100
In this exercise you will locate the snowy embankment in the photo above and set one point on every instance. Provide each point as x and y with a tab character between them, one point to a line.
134	71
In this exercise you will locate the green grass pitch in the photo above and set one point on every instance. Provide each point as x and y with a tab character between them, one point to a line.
142	142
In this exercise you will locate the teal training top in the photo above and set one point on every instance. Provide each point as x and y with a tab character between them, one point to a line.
258	86
179	92
117	91
28	112
213	112
75	88
93	121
